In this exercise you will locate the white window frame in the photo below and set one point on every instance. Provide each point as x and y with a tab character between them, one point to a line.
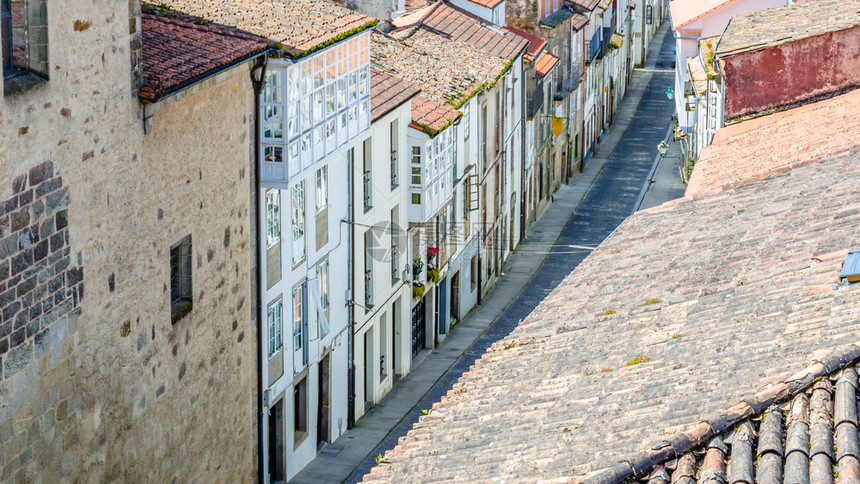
322	277
273	217
275	317
322	188
297	195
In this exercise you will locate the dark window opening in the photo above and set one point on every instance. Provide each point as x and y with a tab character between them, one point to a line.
300	410
180	279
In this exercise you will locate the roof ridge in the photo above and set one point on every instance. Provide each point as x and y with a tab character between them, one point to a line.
702	430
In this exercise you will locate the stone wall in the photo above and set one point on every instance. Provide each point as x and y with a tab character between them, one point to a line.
112	391
40	293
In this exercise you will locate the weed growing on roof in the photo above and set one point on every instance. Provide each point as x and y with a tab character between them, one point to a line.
678	335
636	360
425	411
608	312
378	458
201	21
511	345
606	370
164	9
652	301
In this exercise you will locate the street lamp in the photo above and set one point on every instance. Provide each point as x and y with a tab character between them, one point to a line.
670	94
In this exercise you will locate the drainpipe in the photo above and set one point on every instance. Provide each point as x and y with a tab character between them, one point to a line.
350	342
258	84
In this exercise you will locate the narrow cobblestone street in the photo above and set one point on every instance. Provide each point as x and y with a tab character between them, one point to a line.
609	190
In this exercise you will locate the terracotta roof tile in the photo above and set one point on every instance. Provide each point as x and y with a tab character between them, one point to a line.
387	92
411	18
430	115
414	4
465	27
776	26
300	26
769	145
585	5
487	3
545	62
176	51
445	70
536	44
697	74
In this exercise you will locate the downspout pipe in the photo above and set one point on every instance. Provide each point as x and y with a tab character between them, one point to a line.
258	80
350	285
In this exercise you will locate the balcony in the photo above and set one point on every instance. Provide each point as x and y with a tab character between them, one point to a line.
569	81
395	265
535	101
592	47
368	290
394	179
368	199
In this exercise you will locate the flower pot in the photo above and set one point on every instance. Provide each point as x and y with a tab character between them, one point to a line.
417	291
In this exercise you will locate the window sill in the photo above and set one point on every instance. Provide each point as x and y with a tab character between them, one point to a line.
16	81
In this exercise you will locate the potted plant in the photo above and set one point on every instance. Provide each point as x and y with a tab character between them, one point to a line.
417	265
417	289
433	273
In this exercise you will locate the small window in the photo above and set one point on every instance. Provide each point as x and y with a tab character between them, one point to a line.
180	279
416	199
276	327
24	28
322	275
273	217
322	188
300	411
416	175
416	155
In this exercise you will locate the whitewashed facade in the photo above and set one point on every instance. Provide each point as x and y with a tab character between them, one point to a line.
314	118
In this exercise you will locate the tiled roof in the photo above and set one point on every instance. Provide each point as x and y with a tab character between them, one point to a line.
465	27
775	26
707	47
685	310
578	21
175	51
387	92
486	3
536	44
414	4
697	74
411	18
545	62
430	116
684	12
585	5
807	434
763	147
300	26
445	70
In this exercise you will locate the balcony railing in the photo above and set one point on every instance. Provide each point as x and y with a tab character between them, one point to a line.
395	265
535	101
569	81
394	174
592	47
367	191
368	289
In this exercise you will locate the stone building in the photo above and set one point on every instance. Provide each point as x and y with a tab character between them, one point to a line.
127	338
